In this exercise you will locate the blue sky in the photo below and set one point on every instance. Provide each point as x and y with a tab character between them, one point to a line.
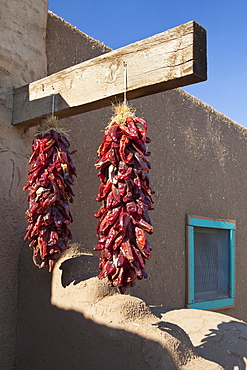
119	23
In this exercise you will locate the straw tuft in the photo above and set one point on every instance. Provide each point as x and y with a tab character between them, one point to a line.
51	123
120	113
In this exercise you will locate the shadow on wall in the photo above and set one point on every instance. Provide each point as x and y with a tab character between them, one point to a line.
226	346
51	338
74	271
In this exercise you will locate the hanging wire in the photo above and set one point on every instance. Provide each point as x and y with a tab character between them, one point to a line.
53	104
125	83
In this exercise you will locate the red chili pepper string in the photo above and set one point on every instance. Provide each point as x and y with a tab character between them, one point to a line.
50	177
126	198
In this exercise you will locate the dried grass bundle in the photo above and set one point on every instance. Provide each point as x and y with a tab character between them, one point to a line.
120	113
51	123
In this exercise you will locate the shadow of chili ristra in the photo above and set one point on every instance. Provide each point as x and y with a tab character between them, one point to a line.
226	345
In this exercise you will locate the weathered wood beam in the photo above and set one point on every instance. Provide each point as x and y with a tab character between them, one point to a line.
171	59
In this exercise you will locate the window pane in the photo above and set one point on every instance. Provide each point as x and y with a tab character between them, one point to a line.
211	272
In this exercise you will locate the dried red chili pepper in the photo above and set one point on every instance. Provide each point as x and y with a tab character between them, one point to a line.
50	177
126	198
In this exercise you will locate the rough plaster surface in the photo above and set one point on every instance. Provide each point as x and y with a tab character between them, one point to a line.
85	323
217	337
198	167
22	60
98	302
22	47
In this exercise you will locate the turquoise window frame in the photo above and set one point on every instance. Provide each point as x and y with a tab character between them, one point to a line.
197	221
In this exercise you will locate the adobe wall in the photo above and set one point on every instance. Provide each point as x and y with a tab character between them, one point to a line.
22	60
198	167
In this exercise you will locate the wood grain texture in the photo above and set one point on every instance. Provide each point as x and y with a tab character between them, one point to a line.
171	59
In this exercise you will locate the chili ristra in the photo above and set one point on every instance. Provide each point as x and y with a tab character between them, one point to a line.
50	177
126	197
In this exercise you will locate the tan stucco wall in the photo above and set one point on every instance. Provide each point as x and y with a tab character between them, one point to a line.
22	60
198	167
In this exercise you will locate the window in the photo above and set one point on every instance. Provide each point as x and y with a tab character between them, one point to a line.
210	250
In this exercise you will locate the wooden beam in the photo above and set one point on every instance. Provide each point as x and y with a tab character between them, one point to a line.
171	59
